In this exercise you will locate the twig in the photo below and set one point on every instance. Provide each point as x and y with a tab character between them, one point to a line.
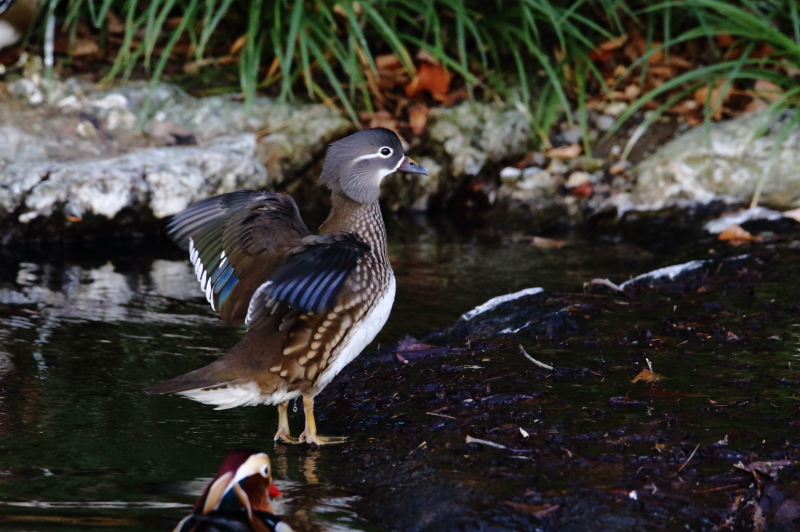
718	488
470	439
688	459
540	364
604	282
440	415
653	373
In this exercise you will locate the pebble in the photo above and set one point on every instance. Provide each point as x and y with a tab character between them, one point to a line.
605	122
577	179
509	172
572	135
615	108
557	166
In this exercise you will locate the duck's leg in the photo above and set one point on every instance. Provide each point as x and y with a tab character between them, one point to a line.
310	434
283	424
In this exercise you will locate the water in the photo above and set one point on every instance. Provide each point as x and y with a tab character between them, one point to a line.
84	331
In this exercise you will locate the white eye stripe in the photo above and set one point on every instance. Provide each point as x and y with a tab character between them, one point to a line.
375	155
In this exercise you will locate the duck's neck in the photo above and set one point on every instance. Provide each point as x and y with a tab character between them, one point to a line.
364	219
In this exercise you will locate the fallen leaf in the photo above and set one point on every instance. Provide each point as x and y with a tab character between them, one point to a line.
619	167
613	43
434	79
114	24
238	44
657	56
547	243
584	190
767	90
418	117
388	62
769	468
79	48
379	119
735	234
569	151
646	376
723	40
712	98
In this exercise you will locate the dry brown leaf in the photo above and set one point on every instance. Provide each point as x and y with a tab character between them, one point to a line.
238	44
767	90
723	40
547	243
712	98
379	119
432	78
613	44
646	376
114	24
569	151
684	107
388	62
657	56
84	47
418	118
662	71
619	167
584	190
735	234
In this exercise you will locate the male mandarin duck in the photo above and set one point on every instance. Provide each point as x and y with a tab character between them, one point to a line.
238	499
311	303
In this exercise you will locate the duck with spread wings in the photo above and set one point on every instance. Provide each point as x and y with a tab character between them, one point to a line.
311	303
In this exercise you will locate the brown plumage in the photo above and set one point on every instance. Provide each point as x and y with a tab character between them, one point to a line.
311	302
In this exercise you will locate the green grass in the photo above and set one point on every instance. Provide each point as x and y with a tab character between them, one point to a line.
328	48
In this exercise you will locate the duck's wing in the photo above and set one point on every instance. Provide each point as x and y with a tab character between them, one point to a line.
311	278
236	242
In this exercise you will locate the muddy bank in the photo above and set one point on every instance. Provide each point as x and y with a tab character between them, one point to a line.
591	443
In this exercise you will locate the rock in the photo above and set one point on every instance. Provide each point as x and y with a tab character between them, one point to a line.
166	180
758	213
524	313
604	122
472	134
721	162
534	186
577	179
509	172
297	133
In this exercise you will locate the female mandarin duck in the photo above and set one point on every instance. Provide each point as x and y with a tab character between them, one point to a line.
238	499
311	302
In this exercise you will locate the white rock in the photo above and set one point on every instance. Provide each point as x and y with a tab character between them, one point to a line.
509	172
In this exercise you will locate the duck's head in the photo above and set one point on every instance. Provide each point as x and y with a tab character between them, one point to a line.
356	165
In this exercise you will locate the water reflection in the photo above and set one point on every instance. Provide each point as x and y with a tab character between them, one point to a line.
81	337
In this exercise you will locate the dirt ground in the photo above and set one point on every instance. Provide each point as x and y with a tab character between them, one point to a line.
462	431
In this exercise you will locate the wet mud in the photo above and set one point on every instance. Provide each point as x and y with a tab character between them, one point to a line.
460	430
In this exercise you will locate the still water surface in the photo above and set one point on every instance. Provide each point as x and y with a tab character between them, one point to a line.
84	331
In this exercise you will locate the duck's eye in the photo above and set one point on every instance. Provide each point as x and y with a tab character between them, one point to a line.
385	152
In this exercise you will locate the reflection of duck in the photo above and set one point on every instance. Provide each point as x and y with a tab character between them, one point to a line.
311	302
238	499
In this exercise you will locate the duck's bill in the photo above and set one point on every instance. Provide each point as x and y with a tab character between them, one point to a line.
411	166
